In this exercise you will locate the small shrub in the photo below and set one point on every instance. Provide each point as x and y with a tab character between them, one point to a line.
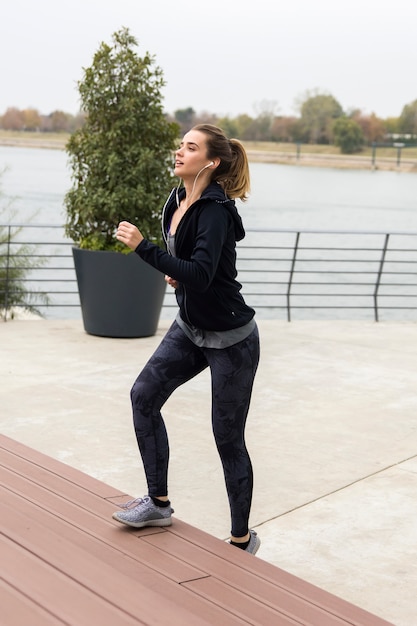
348	135
16	262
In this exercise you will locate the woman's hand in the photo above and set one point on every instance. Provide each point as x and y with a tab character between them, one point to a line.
173	283
129	234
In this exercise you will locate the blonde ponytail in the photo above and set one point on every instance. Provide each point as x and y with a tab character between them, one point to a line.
237	183
232	173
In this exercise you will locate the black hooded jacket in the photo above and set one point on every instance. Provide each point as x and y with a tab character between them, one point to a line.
208	294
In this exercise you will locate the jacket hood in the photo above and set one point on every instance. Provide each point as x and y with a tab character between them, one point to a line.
214	192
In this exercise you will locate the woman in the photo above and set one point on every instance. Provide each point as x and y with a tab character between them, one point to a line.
214	327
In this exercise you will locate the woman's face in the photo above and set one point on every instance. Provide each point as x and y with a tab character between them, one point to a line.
191	156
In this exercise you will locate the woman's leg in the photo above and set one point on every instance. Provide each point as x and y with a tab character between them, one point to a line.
175	361
233	371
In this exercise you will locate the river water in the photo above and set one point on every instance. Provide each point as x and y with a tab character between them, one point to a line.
285	197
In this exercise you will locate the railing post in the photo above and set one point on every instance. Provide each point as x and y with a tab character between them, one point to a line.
373	153
294	258
378	278
399	146
7	276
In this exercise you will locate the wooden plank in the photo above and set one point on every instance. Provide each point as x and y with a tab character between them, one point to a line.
97	531
73	479
38	585
73	492
17	609
246	608
259	579
36	476
268	592
138	590
89	483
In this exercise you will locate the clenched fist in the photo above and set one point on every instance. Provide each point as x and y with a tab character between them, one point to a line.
129	234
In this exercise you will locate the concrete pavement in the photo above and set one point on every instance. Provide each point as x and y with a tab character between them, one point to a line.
332	434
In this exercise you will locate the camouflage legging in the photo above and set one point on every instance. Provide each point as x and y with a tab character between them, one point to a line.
177	360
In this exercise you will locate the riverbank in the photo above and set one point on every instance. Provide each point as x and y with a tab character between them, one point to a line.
54	141
386	158
338	161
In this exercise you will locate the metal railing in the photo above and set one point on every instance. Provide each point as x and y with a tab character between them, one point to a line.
286	274
331	273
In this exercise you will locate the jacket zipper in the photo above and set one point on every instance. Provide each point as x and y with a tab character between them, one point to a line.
185	306
164	235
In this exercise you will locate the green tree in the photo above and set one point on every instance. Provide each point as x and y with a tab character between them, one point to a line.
318	111
228	126
185	119
266	111
392	125
243	123
261	128
122	157
408	119
348	135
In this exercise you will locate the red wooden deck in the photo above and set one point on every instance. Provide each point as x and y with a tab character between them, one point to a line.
65	561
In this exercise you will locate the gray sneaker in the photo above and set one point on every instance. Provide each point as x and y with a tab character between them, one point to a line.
143	512
254	543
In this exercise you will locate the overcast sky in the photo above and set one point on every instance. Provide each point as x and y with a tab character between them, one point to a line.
218	56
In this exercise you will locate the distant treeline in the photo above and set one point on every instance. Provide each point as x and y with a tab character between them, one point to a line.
321	120
31	120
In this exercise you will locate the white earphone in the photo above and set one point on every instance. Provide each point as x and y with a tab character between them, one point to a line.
205	167
195	180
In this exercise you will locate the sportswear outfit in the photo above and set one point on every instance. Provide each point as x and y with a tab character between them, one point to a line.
214	328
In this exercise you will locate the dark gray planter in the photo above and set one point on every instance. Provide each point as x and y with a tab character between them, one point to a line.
120	295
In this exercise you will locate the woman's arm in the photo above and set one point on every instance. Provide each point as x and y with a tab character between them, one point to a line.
198	272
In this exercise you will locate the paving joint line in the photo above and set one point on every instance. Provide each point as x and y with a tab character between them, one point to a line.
330	493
